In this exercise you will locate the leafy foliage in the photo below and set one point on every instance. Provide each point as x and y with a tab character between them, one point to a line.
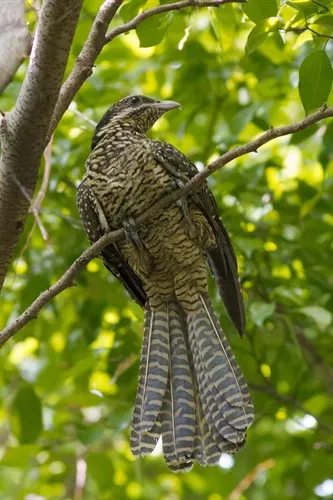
68	379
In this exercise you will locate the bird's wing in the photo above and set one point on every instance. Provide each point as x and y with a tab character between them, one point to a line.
95	225
222	258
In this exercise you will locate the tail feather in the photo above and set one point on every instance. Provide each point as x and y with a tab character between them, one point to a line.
220	428
223	391
190	389
206	451
175	458
143	444
178	409
153	377
224	370
242	385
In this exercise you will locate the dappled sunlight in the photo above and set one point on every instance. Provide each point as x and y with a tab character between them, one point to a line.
132	42
23	350
301	424
325	489
226	461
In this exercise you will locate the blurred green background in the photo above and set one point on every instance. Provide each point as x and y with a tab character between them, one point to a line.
68	379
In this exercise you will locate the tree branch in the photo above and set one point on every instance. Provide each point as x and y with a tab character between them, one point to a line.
183	4
67	278
98	38
24	130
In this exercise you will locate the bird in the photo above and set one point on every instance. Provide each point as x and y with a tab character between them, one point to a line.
190	390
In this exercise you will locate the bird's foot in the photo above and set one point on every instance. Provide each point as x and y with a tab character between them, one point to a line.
182	204
132	233
133	237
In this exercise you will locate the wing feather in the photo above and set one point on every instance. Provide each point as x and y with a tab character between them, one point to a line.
95	225
222	258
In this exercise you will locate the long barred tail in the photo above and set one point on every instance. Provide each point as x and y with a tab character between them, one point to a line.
190	389
153	379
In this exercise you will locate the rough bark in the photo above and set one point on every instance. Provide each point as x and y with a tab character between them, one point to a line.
24	130
15	40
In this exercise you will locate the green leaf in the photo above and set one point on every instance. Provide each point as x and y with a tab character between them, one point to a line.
151	31
80	400
248	245
257	10
299	137
224	25
315	80
322	317
309	205
130	9
256	37
318	403
304	37
28	409
323	25
327	150
305	7
260	311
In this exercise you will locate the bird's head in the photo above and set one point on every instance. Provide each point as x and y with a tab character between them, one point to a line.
136	112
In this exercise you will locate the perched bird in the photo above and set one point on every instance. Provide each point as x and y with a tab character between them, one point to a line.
190	390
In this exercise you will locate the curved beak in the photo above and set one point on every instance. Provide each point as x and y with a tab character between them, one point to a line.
166	105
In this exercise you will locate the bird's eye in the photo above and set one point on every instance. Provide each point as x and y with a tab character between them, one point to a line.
135	99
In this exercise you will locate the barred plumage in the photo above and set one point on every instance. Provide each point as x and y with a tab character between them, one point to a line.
178	411
190	390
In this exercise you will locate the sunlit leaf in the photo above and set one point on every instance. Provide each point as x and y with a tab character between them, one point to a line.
315	80
322	317
19	456
257	10
323	25
305	7
260	311
152	30
130	9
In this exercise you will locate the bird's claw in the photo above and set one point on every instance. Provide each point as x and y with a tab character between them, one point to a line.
182	204
131	231
133	237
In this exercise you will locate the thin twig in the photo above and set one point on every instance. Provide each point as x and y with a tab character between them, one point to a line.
68	277
160	9
27	196
124	365
78	113
319	34
37	202
42	191
46	175
246	482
